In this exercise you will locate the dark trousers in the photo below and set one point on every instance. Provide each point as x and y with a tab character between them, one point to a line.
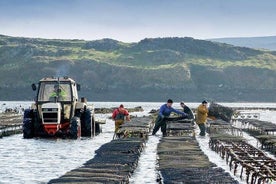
202	129
160	122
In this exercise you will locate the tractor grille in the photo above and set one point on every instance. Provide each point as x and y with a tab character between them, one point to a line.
50	117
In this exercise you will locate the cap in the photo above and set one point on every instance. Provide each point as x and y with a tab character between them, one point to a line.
182	102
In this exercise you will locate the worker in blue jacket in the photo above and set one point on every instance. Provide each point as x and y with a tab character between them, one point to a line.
164	112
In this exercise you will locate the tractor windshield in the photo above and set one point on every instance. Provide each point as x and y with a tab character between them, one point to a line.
54	92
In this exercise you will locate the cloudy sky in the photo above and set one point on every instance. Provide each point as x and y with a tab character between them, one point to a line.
133	20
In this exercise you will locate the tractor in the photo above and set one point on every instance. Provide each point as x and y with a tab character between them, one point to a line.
58	112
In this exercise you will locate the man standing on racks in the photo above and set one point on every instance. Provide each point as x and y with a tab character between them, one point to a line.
164	112
201	117
119	115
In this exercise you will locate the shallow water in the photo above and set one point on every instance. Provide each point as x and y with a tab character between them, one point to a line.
213	156
36	161
146	170
39	160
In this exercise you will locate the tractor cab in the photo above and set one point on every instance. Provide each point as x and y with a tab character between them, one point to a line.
55	91
57	94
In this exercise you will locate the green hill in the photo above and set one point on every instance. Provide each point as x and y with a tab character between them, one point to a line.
150	70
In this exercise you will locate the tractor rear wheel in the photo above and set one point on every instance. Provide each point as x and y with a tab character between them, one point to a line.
86	121
74	127
98	128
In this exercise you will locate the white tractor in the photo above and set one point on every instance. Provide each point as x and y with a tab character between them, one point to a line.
58	112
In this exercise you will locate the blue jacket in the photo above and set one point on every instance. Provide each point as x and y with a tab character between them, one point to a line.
166	111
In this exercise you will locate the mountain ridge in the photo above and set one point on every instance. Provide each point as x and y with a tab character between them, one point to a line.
264	42
153	69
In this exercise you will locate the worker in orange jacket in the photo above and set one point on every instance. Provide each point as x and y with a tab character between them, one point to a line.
119	115
201	117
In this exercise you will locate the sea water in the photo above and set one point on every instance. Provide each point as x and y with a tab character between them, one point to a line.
36	161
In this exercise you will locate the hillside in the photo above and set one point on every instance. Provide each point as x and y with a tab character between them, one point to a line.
150	70
267	42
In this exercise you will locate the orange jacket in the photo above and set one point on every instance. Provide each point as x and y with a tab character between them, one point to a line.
119	114
201	114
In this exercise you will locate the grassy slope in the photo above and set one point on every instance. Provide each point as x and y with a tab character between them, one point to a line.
134	55
157	64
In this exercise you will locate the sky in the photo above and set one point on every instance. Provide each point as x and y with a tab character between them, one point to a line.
134	20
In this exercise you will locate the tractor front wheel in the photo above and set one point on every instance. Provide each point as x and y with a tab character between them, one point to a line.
28	125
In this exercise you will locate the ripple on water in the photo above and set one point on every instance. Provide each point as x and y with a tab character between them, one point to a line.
40	160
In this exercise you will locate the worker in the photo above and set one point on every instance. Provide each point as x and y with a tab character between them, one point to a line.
58	93
187	110
164	112
201	117
119	115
